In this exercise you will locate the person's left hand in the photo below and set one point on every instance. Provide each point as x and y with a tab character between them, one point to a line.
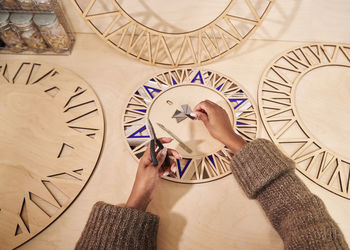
148	176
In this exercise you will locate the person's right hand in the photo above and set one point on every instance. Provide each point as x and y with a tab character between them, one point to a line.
218	124
148	176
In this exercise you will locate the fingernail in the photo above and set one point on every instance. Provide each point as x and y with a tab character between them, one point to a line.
180	156
173	169
164	150
166	173
193	114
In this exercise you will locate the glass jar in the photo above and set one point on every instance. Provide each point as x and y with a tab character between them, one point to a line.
26	4
44	4
29	33
52	30
8	35
9	4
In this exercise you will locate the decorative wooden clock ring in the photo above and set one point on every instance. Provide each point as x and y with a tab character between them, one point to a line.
51	136
162	99
149	38
304	104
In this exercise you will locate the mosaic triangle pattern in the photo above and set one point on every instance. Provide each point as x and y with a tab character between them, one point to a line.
199	168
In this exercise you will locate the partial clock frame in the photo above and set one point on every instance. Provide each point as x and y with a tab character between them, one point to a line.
277	105
197	47
52	131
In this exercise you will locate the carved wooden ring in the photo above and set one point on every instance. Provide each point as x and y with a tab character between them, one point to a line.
51	136
280	116
117	28
204	158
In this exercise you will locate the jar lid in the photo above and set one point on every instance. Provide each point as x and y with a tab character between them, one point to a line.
42	1
21	19
44	19
4	16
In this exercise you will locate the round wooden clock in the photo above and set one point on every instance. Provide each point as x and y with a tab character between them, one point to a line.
51	135
136	29
304	104
165	96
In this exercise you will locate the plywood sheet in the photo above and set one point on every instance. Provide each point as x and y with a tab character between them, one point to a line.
51	137
185	210
327	166
172	45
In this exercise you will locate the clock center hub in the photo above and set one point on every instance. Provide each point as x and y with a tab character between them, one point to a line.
191	138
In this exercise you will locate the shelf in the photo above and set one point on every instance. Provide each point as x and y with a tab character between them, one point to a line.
35	9
56	9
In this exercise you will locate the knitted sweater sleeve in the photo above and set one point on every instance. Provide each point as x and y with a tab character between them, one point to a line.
113	227
300	218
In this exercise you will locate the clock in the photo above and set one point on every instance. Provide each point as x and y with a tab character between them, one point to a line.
51	136
140	32
160	97
303	101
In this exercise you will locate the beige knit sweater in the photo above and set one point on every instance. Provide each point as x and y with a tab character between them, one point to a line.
265	174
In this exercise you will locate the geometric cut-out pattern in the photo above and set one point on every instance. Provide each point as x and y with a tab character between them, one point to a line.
197	169
47	153
117	28
282	121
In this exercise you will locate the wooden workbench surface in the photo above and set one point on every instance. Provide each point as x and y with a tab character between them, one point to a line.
214	215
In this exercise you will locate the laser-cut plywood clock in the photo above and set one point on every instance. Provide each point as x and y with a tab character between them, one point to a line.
125	33
51	134
204	158
278	108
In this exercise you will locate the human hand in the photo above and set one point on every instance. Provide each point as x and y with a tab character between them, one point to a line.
218	124
148	176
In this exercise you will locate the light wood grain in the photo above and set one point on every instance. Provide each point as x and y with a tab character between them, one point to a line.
204	158
51	137
278	109
157	46
326	21
186	211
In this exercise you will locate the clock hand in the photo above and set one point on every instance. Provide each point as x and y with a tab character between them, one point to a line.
181	143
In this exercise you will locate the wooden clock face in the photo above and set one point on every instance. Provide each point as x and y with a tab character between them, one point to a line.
304	104
51	135
204	158
135	29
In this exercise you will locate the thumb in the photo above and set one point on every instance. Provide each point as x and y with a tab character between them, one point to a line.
161	156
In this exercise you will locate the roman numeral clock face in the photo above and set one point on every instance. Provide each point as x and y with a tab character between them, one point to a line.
51	134
166	98
303	100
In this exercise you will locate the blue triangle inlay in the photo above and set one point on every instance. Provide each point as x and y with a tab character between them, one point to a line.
141	110
239	100
134	135
218	88
181	172
173	80
200	78
150	90
212	160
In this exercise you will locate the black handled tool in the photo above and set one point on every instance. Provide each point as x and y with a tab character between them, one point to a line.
154	141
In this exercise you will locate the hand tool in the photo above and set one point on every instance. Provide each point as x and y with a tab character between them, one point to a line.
154	141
